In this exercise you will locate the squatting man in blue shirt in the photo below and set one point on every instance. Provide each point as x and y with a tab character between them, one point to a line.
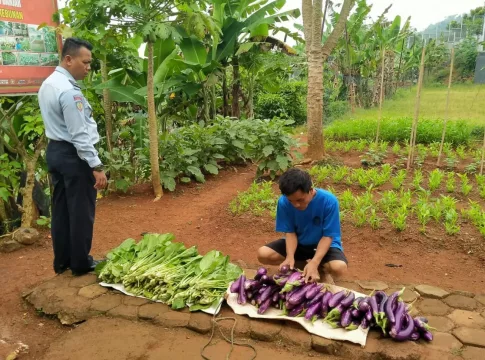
310	219
72	160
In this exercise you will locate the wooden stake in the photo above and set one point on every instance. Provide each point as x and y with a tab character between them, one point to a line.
447	106
412	139
483	155
379	118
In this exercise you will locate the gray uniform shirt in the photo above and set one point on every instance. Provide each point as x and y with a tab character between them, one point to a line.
68	116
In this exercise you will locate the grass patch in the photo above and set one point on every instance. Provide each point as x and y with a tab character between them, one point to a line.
466	103
399	130
257	200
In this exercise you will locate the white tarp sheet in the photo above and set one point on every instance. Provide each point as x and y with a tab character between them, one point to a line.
213	310
319	328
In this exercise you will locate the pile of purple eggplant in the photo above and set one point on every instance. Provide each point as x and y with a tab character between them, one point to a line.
288	292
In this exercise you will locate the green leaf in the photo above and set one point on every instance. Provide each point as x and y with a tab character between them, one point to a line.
4	194
273	165
282	161
122	184
245	47
196	172
218	156
193	50
212	169
185	179
238	144
268	150
169	183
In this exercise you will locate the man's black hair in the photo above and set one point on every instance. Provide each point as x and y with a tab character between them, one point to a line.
295	179
72	45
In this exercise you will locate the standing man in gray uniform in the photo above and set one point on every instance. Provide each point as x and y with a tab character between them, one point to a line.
73	162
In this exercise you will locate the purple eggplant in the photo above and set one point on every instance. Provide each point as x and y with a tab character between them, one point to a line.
326	298
284	269
368	315
299	296
317	298
391	305
236	285
313	310
261	271
364	323
241	299
414	336
380	296
399	314
251	284
268	293
336	312
356	314
348	300
264	306
354	325
404	333
427	335
297	310
357	301
346	318
262	289
313	291
281	281
336	299
294	280
421	325
364	305
276	297
373	306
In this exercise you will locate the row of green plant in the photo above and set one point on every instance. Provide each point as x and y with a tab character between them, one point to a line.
399	179
375	153
399	130
397	207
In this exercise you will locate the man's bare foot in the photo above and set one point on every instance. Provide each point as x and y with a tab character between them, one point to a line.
327	279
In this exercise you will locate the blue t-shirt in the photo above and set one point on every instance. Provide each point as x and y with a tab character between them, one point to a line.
321	218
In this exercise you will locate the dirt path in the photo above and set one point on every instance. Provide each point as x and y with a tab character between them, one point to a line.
198	215
107	339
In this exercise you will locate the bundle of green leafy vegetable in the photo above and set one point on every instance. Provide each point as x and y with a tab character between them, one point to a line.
160	269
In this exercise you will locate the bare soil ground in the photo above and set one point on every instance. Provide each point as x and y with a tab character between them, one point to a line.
197	214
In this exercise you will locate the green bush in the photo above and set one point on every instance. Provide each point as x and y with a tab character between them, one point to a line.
429	130
288	103
191	152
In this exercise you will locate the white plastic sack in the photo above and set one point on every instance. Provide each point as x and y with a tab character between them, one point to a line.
213	310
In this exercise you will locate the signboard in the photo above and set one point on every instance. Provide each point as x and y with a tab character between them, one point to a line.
27	55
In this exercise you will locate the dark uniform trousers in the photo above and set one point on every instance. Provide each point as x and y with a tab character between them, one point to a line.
73	206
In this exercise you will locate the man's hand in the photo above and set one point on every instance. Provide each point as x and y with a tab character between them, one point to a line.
310	272
288	261
101	180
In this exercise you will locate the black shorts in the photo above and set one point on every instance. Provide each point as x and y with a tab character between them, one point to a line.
304	253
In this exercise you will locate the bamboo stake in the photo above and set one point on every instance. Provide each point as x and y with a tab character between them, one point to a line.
379	118
412	140
483	155
447	107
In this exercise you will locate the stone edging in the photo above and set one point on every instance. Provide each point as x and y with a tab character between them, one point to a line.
459	318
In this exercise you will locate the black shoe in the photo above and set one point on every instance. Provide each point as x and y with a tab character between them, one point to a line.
88	270
61	270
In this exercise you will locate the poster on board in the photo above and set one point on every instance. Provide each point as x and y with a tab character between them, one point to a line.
28	55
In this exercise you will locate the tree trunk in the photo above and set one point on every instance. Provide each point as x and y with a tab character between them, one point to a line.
236	111
108	116
225	94
250	105
153	127
315	87
312	17
389	73
29	210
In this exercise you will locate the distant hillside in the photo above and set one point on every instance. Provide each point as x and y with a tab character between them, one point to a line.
442	25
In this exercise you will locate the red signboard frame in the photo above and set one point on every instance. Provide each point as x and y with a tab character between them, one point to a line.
35	52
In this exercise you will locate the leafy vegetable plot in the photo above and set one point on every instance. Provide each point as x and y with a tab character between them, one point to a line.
159	269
